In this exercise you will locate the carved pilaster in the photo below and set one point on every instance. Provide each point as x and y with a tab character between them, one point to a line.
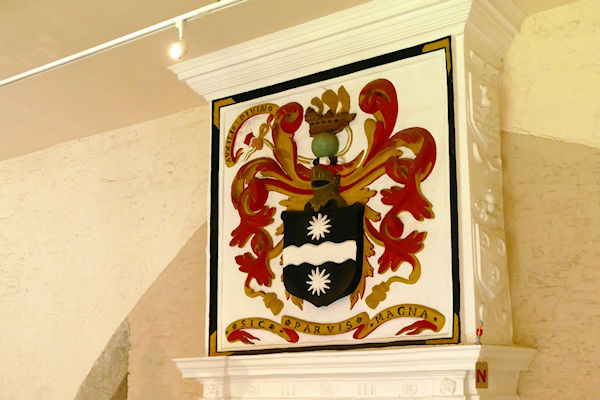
487	35
492	297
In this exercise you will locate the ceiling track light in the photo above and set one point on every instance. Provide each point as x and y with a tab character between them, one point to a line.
210	8
178	49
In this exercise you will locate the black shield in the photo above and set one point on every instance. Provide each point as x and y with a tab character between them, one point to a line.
323	252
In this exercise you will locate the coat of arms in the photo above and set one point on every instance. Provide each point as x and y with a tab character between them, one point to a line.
324	222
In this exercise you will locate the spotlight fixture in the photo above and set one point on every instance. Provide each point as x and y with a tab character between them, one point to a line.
178	49
111	44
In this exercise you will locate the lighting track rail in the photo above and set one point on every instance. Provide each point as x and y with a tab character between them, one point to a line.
150	30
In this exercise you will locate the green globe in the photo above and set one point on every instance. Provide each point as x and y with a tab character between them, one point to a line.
325	145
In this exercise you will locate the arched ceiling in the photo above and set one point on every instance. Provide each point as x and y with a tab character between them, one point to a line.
128	84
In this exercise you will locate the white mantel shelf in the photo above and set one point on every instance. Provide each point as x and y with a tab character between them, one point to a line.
425	372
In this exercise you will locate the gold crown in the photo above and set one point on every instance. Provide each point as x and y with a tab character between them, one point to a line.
332	121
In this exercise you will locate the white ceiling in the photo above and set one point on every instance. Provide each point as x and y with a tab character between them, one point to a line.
128	84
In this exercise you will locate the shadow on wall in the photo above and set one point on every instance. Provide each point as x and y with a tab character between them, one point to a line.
121	393
158	387
552	214
167	323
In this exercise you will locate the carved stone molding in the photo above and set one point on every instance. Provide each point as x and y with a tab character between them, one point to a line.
491	272
486	37
429	372
361	32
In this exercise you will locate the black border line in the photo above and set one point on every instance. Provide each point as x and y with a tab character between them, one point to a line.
303	81
213	230
453	192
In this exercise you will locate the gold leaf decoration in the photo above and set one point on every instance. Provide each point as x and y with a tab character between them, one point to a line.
344	98
331	99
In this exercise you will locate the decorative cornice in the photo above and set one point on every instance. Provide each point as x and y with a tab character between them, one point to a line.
410	360
496	22
347	36
350	35
445	368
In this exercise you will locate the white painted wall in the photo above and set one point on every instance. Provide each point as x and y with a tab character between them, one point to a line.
551	197
552	210
552	75
85	228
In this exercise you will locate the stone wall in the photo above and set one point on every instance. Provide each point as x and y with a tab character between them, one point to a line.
107	380
552	197
552	211
552	75
86	227
167	323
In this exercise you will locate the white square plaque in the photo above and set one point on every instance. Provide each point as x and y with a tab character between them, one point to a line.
333	211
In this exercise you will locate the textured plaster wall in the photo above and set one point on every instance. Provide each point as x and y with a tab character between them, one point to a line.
167	323
551	96
552	75
552	213
85	228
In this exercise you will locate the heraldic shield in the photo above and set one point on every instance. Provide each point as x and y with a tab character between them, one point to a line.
322	253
